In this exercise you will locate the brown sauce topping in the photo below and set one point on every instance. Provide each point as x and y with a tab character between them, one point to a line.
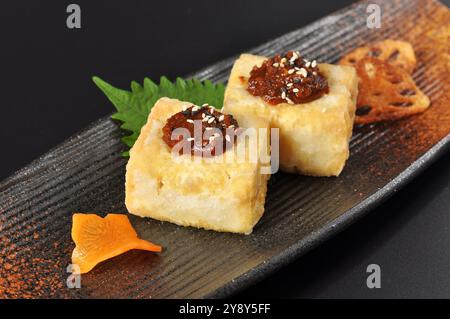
287	79
216	129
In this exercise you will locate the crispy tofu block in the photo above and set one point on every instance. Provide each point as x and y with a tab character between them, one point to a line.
207	193
314	136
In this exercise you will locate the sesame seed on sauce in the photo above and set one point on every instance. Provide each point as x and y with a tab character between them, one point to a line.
303	72
289	100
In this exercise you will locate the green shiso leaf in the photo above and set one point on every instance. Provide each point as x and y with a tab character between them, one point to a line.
133	107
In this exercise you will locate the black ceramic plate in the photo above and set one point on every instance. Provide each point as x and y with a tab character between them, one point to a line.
86	173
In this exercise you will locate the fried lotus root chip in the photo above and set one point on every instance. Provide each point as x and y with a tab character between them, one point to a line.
395	52
98	239
386	92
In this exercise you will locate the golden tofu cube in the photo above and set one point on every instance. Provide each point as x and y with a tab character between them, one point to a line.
314	136
211	193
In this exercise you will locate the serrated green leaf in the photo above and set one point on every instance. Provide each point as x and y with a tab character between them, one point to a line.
134	106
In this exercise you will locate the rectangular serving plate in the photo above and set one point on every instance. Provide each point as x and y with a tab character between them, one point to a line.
86	174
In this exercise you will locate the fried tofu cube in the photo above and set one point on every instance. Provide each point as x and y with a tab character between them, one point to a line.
223	195
314	136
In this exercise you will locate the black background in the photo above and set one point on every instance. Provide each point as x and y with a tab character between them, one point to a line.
47	95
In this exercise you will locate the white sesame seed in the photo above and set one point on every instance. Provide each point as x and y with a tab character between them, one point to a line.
292	60
203	115
227	137
276	64
221	118
305	60
314	63
190	139
206	104
231	126
303	72
283	60
308	64
195	108
289	101
291	71
281	65
212	119
295	90
289	85
205	119
283	95
190	121
209	128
